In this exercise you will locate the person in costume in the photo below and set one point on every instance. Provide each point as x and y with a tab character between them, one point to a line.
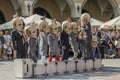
86	36
73	39
53	44
31	31
42	40
64	40
17	38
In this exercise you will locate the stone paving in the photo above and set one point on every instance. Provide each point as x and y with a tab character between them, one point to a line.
110	71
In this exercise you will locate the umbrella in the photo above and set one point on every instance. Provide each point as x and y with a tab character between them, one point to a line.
35	19
110	23
95	22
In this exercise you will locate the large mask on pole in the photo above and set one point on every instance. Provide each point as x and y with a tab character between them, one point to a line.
17	24
66	26
43	25
31	31
74	27
85	18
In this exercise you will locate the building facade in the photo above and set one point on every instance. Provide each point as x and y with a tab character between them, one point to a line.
103	10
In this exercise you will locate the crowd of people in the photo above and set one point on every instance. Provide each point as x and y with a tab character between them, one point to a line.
109	43
50	40
5	45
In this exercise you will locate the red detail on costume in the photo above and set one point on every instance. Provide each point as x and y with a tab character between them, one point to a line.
50	58
57	57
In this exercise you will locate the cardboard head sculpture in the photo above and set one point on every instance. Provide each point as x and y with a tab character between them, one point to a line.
31	31
17	24
74	27
53	23
54	27
85	18
66	26
43	25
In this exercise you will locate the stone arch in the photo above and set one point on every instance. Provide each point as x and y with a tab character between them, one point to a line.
50	6
2	18
103	10
7	9
16	6
115	6
41	11
85	11
53	7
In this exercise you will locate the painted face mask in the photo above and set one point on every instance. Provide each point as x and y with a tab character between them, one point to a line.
31	31
18	24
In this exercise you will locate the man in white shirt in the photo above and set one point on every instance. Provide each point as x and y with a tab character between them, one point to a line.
6	36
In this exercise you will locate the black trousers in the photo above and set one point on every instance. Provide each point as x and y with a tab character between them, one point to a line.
65	54
21	52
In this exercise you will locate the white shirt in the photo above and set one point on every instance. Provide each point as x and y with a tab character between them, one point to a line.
7	37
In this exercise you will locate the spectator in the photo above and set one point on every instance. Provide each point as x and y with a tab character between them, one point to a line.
95	49
1	37
1	44
111	51
103	43
7	50
6	36
0	50
118	47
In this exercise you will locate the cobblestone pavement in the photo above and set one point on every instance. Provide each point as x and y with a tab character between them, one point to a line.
110	71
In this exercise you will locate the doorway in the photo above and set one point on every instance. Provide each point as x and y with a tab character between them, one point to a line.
41	11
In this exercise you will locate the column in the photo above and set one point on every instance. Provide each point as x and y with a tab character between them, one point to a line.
27	9
76	10
117	11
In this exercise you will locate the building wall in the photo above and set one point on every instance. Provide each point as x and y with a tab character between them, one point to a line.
52	8
7	9
94	9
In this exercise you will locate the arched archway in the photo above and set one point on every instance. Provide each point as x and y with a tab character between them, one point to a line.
85	11
41	12
55	8
2	18
7	10
100	9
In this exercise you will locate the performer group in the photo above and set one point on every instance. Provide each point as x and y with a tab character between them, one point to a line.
52	41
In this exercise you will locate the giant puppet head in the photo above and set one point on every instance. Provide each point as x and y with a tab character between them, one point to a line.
17	24
85	18
53	23
31	31
74	27
43	25
53	27
66	26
